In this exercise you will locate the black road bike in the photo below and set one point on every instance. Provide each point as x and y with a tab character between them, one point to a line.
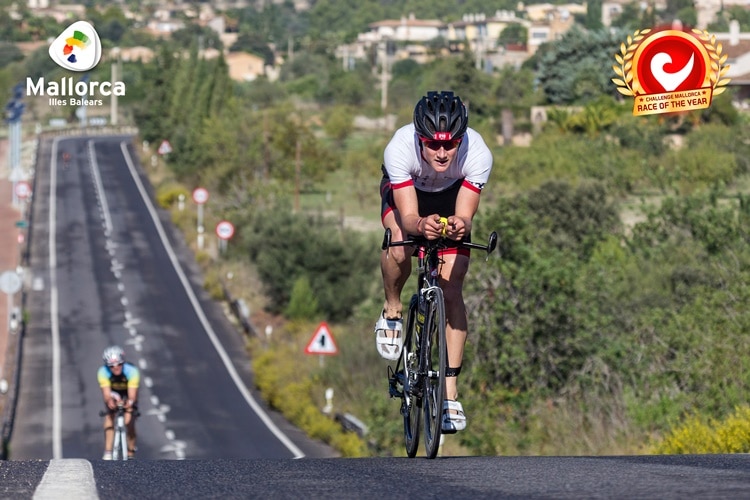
419	376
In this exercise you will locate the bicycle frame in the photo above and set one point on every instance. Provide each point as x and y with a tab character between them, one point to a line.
120	441
421	369
120	444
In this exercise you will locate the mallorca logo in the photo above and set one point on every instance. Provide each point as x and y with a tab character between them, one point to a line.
669	70
77	48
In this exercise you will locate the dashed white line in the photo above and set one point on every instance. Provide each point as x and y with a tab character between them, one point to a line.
67	478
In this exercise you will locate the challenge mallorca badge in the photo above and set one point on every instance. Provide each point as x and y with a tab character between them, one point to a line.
669	70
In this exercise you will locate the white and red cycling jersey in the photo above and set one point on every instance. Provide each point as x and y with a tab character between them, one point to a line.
405	166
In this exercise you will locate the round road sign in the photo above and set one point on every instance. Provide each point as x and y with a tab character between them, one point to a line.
10	282
200	195
23	189
224	230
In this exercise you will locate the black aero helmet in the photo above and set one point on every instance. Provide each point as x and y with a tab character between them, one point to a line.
441	116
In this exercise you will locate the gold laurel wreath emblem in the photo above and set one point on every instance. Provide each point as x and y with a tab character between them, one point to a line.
625	61
718	67
627	50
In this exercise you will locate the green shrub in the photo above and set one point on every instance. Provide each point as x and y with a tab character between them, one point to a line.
168	194
278	377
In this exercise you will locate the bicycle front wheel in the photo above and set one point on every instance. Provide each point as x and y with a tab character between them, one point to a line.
124	443
435	361
117	451
412	403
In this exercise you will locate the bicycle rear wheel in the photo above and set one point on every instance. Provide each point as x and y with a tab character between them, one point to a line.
412	403
435	361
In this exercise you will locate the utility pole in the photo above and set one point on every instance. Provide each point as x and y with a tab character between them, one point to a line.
116	71
383	56
297	173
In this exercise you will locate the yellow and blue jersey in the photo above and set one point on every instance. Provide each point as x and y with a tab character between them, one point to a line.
130	378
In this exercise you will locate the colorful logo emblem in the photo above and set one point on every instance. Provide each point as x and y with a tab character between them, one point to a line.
77	48
669	70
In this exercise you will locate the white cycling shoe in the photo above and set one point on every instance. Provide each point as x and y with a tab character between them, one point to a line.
454	419
389	347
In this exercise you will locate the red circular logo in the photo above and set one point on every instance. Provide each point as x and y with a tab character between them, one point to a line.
671	61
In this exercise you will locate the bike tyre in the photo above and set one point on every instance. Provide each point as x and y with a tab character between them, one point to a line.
116	445
412	403
124	443
435	361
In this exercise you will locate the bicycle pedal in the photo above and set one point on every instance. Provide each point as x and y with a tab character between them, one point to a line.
394	380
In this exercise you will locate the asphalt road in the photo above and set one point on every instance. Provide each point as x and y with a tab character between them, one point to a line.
644	477
107	268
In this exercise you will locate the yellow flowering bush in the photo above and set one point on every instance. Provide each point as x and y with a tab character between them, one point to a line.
700	435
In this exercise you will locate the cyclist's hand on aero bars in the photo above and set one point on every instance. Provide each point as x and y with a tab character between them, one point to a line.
455	228
451	227
432	227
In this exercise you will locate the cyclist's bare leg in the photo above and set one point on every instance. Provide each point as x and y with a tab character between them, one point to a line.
109	431
452	275
395	266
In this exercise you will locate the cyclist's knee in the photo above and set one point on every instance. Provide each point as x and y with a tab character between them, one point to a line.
453	294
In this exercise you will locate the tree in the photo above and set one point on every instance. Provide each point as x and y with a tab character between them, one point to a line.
574	68
254	44
302	303
514	33
286	247
9	52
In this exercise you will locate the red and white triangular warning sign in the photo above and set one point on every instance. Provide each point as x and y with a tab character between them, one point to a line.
322	342
164	148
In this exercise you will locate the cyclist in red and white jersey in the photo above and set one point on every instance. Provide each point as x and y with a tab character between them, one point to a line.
434	167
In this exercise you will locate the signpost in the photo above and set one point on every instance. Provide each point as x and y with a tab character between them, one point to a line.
200	197
13	112
164	148
10	284
225	231
322	343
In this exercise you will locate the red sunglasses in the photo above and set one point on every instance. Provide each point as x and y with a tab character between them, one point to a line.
436	145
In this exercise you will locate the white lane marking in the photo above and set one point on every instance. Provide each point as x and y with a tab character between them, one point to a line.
67	478
53	308
201	315
100	190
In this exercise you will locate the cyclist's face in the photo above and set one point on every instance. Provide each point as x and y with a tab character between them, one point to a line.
116	369
439	154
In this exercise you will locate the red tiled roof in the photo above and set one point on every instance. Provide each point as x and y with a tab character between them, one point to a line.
743	47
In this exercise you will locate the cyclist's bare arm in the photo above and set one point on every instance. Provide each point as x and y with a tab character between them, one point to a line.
132	396
405	199
467	203
108	399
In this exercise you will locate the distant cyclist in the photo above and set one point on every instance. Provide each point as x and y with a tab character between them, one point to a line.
119	381
434	170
